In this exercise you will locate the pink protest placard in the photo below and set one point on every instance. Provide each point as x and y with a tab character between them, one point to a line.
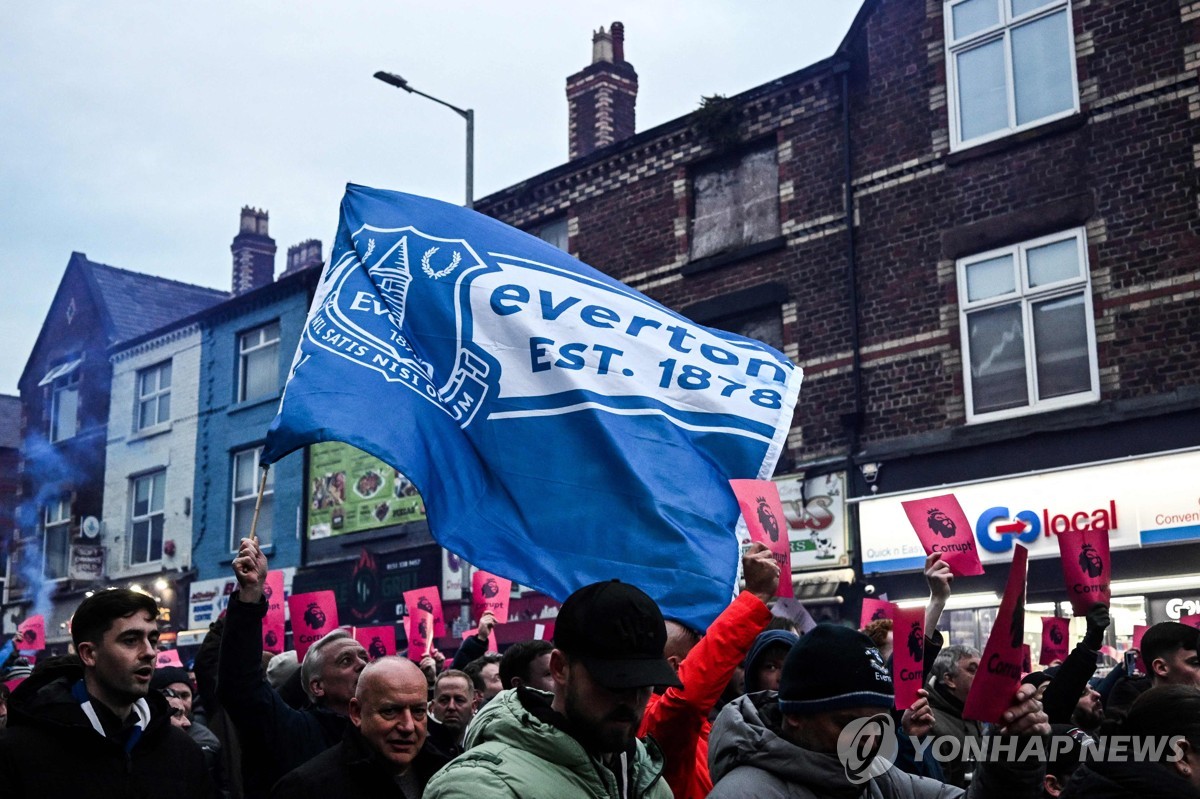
168	657
1086	565
429	600
491	644
273	626
1056	635
1026	659
313	615
908	654
874	610
943	527
1000	666
378	641
1191	621
490	594
763	512
794	611
12	684
32	633
420	633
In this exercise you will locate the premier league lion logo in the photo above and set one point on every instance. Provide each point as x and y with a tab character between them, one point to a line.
490	588
267	591
916	647
29	637
271	639
423	629
314	616
1056	636
1090	561
1017	624
424	604
941	524
766	517
376	650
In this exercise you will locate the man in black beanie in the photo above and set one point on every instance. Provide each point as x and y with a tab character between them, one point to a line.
786	743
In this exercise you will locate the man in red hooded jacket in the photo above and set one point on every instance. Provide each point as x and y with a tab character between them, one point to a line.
677	719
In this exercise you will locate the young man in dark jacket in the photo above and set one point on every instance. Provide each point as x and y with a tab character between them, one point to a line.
90	726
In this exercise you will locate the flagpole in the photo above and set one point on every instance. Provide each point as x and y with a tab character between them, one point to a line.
262	486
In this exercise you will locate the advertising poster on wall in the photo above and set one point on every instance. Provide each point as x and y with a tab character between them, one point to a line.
349	491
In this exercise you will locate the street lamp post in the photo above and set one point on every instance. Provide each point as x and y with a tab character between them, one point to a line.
466	113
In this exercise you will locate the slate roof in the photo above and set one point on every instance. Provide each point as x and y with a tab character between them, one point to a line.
137	303
10	422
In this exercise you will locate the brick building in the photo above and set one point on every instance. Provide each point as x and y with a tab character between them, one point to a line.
1012	315
65	402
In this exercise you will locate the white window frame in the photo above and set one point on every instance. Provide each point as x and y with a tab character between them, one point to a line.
250	342
1027	297
1002	30
245	501
148	517
59	388
156	395
56	520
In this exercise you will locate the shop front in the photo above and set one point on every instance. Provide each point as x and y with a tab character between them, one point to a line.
1149	507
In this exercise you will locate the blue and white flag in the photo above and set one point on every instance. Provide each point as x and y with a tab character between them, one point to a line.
561	427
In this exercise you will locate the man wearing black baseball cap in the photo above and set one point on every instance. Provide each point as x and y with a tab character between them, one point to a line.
581	739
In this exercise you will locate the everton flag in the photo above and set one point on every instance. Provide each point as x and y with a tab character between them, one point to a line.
562	428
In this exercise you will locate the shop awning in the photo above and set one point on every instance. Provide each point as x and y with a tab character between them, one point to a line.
821	586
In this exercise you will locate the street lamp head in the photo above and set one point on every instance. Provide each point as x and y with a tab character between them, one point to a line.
393	80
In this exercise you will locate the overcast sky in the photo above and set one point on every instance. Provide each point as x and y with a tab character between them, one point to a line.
134	132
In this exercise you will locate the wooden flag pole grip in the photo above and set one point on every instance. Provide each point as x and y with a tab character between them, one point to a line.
262	486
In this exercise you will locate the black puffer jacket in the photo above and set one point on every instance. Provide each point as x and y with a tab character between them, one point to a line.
51	749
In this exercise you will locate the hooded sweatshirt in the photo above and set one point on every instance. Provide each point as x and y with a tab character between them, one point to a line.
51	748
517	747
748	757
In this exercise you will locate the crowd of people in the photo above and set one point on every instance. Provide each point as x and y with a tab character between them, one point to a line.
622	704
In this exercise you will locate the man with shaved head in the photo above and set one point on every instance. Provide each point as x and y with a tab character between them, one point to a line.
384	752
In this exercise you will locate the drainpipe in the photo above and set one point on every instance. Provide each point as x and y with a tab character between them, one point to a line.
852	422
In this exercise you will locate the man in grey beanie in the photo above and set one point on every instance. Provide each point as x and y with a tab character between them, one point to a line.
786	743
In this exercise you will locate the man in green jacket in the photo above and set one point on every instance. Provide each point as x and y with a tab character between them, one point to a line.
581	740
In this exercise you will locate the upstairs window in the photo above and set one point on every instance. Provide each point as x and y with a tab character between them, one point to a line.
736	203
246	477
147	518
258	374
1011	66
154	396
554	232
63	383
1027	328
761	324
56	548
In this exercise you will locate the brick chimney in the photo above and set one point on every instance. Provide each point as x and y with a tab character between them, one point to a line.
302	256
601	97
253	252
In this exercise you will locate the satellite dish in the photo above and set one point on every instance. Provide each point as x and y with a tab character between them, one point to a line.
90	527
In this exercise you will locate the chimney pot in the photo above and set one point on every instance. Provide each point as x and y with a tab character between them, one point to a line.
601	98
253	252
618	42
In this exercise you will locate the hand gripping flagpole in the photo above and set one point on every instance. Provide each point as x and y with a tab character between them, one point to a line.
262	486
